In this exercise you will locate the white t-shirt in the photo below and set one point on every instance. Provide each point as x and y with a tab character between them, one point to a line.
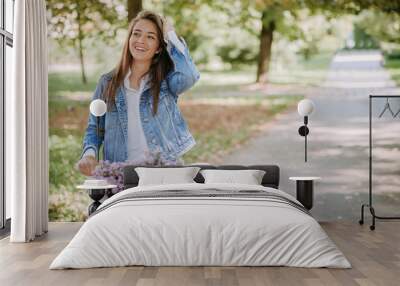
136	145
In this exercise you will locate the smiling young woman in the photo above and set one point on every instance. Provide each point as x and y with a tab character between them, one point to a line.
141	93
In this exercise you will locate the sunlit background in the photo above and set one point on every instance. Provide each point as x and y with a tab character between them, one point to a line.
257	60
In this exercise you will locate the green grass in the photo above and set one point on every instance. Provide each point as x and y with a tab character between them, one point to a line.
320	61
61	83
305	73
393	65
64	153
61	104
68	85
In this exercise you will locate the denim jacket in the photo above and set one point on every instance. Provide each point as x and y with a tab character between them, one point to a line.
166	132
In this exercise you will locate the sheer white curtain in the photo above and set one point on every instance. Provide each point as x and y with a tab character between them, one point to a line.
27	124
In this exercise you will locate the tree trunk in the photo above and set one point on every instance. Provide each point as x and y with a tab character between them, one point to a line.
264	57
80	47
134	7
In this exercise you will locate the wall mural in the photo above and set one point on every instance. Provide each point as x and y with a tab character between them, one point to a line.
192	83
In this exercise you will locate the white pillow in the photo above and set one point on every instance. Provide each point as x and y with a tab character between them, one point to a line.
162	176
249	177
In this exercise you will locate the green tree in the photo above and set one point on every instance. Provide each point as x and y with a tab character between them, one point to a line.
385	28
71	22
271	16
257	19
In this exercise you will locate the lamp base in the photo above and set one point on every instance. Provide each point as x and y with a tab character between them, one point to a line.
303	130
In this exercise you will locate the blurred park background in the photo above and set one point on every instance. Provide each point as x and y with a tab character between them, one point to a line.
257	59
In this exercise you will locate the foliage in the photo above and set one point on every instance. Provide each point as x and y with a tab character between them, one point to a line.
220	34
71	22
392	63
63	156
363	40
193	21
385	27
312	30
60	211
386	6
96	19
236	55
65	203
225	34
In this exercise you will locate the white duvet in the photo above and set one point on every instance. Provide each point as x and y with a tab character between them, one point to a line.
200	231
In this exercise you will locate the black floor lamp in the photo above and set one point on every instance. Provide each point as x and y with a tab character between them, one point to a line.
98	108
305	108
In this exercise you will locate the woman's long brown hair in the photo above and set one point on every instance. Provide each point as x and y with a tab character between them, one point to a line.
159	68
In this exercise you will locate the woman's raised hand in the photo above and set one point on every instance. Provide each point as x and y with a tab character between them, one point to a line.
86	165
167	26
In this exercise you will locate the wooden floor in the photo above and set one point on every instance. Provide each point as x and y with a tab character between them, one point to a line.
375	257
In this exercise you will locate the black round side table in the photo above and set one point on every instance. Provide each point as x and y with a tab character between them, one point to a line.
305	190
96	193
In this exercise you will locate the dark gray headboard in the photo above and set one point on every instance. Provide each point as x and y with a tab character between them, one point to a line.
270	179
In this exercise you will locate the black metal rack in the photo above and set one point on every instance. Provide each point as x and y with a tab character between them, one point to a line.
369	205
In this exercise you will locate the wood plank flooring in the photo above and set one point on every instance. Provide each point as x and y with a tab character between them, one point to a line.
375	257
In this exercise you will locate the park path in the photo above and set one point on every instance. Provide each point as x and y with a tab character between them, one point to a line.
338	141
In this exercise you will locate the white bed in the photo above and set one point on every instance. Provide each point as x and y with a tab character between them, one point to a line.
207	230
